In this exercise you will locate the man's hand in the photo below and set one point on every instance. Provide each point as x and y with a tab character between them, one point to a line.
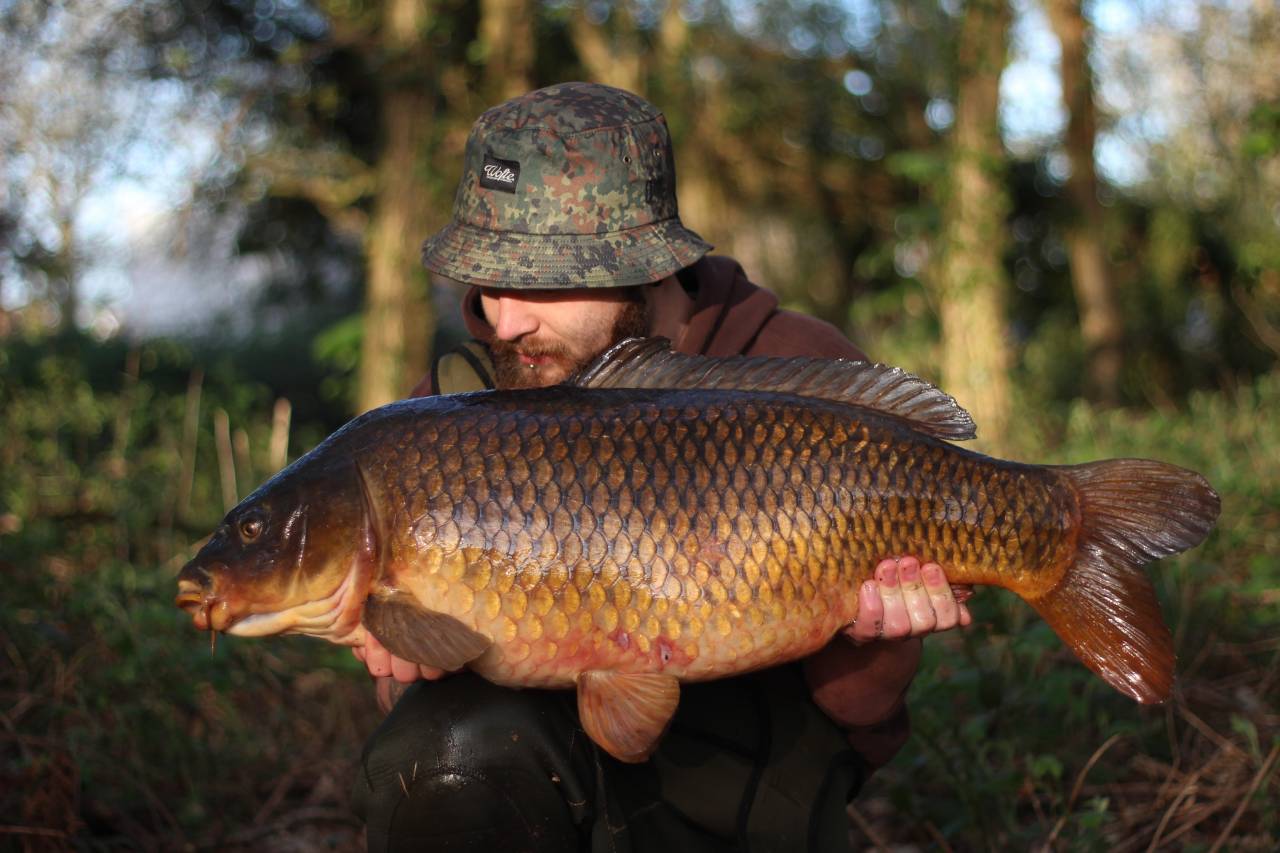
391	674
858	681
381	663
907	599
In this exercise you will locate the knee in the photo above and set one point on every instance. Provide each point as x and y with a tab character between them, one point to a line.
465	721
464	765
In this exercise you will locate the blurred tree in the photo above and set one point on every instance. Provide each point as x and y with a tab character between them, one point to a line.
398	315
507	46
609	44
1101	320
813	140
66	123
355	108
970	277
1192	145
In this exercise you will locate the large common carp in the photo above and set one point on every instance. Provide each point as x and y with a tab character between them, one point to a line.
663	518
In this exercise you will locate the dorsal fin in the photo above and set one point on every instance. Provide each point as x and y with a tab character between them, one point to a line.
651	363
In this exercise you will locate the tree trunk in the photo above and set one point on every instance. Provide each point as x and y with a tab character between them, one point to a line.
1101	321
399	320
614	59
506	30
66	269
970	275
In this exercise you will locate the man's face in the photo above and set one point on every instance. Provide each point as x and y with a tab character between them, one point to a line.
542	336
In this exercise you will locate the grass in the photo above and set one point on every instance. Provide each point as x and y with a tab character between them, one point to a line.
120	731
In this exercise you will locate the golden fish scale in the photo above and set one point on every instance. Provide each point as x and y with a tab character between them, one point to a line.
696	533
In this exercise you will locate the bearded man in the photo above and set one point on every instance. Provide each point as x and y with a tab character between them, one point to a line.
565	226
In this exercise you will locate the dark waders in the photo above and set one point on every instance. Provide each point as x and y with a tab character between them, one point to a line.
748	764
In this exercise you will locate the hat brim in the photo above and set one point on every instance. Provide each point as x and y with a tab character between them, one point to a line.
639	255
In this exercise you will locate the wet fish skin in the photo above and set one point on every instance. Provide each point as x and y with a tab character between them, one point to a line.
598	530
624	539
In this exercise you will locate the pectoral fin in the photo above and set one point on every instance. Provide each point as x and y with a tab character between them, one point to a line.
626	713
412	632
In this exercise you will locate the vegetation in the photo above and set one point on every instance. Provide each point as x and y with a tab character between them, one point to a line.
119	727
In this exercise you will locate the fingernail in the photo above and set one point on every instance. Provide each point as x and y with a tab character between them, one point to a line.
932	575
891	576
910	573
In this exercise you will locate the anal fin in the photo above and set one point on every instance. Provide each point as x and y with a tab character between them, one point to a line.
412	632
626	714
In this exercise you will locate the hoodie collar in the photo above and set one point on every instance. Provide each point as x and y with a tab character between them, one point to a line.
724	290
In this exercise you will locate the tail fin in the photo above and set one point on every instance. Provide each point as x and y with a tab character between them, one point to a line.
1131	512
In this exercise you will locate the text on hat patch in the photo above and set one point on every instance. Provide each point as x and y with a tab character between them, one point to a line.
498	174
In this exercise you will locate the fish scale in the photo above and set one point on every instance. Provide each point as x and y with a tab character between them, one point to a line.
665	518
633	554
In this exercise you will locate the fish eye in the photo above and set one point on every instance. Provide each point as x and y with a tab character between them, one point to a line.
250	529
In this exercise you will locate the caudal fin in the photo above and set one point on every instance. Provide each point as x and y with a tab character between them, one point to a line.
1132	511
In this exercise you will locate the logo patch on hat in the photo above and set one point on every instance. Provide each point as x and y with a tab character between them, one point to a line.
497	174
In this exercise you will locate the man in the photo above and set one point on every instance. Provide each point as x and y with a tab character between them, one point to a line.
565	225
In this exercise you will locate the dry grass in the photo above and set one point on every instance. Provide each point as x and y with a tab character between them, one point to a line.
1199	773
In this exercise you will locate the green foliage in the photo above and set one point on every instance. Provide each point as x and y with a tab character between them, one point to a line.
1263	137
921	167
338	348
120	727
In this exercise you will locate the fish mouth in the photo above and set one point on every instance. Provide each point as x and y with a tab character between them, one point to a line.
332	616
197	596
190	594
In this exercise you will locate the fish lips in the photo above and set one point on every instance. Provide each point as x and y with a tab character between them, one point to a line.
197	595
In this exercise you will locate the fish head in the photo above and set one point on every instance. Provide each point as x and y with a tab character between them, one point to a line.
296	556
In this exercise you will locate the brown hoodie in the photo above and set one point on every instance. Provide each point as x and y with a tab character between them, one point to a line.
732	316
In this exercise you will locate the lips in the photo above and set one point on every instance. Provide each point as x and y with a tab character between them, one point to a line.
196	596
536	359
190	595
209	613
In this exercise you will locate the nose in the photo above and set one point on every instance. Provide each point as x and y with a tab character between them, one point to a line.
510	316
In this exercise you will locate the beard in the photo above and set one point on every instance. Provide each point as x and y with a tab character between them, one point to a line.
510	373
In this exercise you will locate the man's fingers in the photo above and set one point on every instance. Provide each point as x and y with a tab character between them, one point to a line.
945	609
404	671
377	661
897	622
916	597
869	623
431	673
908	599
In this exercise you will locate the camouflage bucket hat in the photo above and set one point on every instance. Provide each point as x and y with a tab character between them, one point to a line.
568	186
